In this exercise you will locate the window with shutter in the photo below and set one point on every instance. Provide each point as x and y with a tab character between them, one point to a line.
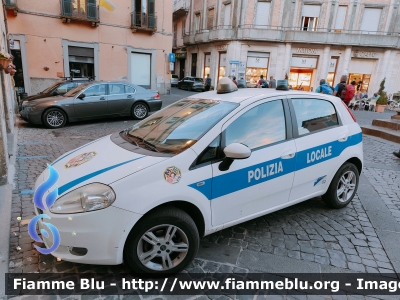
210	19
227	15
370	20
340	17
197	22
310	15
262	14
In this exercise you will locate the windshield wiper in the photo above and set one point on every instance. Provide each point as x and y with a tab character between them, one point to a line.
143	141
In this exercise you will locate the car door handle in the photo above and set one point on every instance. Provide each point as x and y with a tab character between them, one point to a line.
102	98
129	96
288	154
343	137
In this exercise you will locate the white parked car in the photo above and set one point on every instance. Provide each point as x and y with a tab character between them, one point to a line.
145	196
174	80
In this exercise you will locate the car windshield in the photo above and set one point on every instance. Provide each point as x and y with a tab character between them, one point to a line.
50	88
179	126
77	90
198	79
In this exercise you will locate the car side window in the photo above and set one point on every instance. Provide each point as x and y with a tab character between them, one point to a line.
129	89
260	126
96	90
66	87
116	89
314	115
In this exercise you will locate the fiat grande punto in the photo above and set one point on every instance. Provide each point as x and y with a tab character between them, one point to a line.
144	196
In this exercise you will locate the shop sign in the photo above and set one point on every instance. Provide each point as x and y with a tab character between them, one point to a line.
171	57
221	47
257	62
242	66
180	55
306	50
222	62
304	62
208	60
234	62
364	54
332	65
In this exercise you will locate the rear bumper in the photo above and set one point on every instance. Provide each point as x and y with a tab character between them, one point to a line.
154	104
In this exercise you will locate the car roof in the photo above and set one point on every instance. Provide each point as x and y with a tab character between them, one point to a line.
247	93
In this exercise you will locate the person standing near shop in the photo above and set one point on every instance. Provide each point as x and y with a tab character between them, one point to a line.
208	83
272	82
323	88
234	80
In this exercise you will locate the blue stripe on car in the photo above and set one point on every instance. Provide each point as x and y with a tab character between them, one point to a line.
228	183
79	180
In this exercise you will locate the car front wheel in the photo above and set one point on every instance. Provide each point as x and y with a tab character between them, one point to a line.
139	111
163	242
343	186
54	118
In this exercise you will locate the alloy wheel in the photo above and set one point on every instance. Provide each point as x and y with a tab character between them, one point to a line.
140	111
346	186
55	118
162	247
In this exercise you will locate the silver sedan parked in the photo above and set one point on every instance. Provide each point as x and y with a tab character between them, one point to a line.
92	101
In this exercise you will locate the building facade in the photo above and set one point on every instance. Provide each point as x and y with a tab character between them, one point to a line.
306	40
79	38
7	106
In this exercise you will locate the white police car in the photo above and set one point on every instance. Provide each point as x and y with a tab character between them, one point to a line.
146	195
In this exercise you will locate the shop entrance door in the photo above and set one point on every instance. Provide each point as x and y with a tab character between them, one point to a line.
300	79
181	68
362	81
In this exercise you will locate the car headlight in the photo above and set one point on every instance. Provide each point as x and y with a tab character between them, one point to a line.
90	197
29	108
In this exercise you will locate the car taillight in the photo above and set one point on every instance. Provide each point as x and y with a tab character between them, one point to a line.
351	114
157	96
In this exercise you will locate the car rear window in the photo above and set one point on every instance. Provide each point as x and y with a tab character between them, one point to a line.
198	79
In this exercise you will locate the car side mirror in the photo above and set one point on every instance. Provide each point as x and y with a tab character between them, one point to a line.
234	151
81	96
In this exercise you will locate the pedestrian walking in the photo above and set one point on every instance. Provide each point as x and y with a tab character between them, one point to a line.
323	88
272	82
208	83
345	91
234	80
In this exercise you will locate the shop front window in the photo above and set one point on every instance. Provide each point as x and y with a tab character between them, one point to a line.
257	65
300	79
362	81
207	63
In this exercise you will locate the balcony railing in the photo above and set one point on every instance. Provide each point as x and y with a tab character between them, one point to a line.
143	22
68	12
181	4
295	34
12	5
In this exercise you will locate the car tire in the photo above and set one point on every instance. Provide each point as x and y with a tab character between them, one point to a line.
54	118
148	247
139	111
345	181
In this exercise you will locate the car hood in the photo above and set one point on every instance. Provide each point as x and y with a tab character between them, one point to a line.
53	99
99	161
34	97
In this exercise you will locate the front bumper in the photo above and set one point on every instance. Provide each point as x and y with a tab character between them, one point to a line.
103	233
34	117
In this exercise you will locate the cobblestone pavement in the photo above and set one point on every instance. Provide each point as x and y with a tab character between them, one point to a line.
343	240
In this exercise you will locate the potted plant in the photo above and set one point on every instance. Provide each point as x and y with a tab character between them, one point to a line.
5	59
382	100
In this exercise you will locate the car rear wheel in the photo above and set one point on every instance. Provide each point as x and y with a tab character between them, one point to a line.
54	118
343	186
140	111
163	242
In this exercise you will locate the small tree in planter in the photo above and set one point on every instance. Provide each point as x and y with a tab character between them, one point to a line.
383	99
